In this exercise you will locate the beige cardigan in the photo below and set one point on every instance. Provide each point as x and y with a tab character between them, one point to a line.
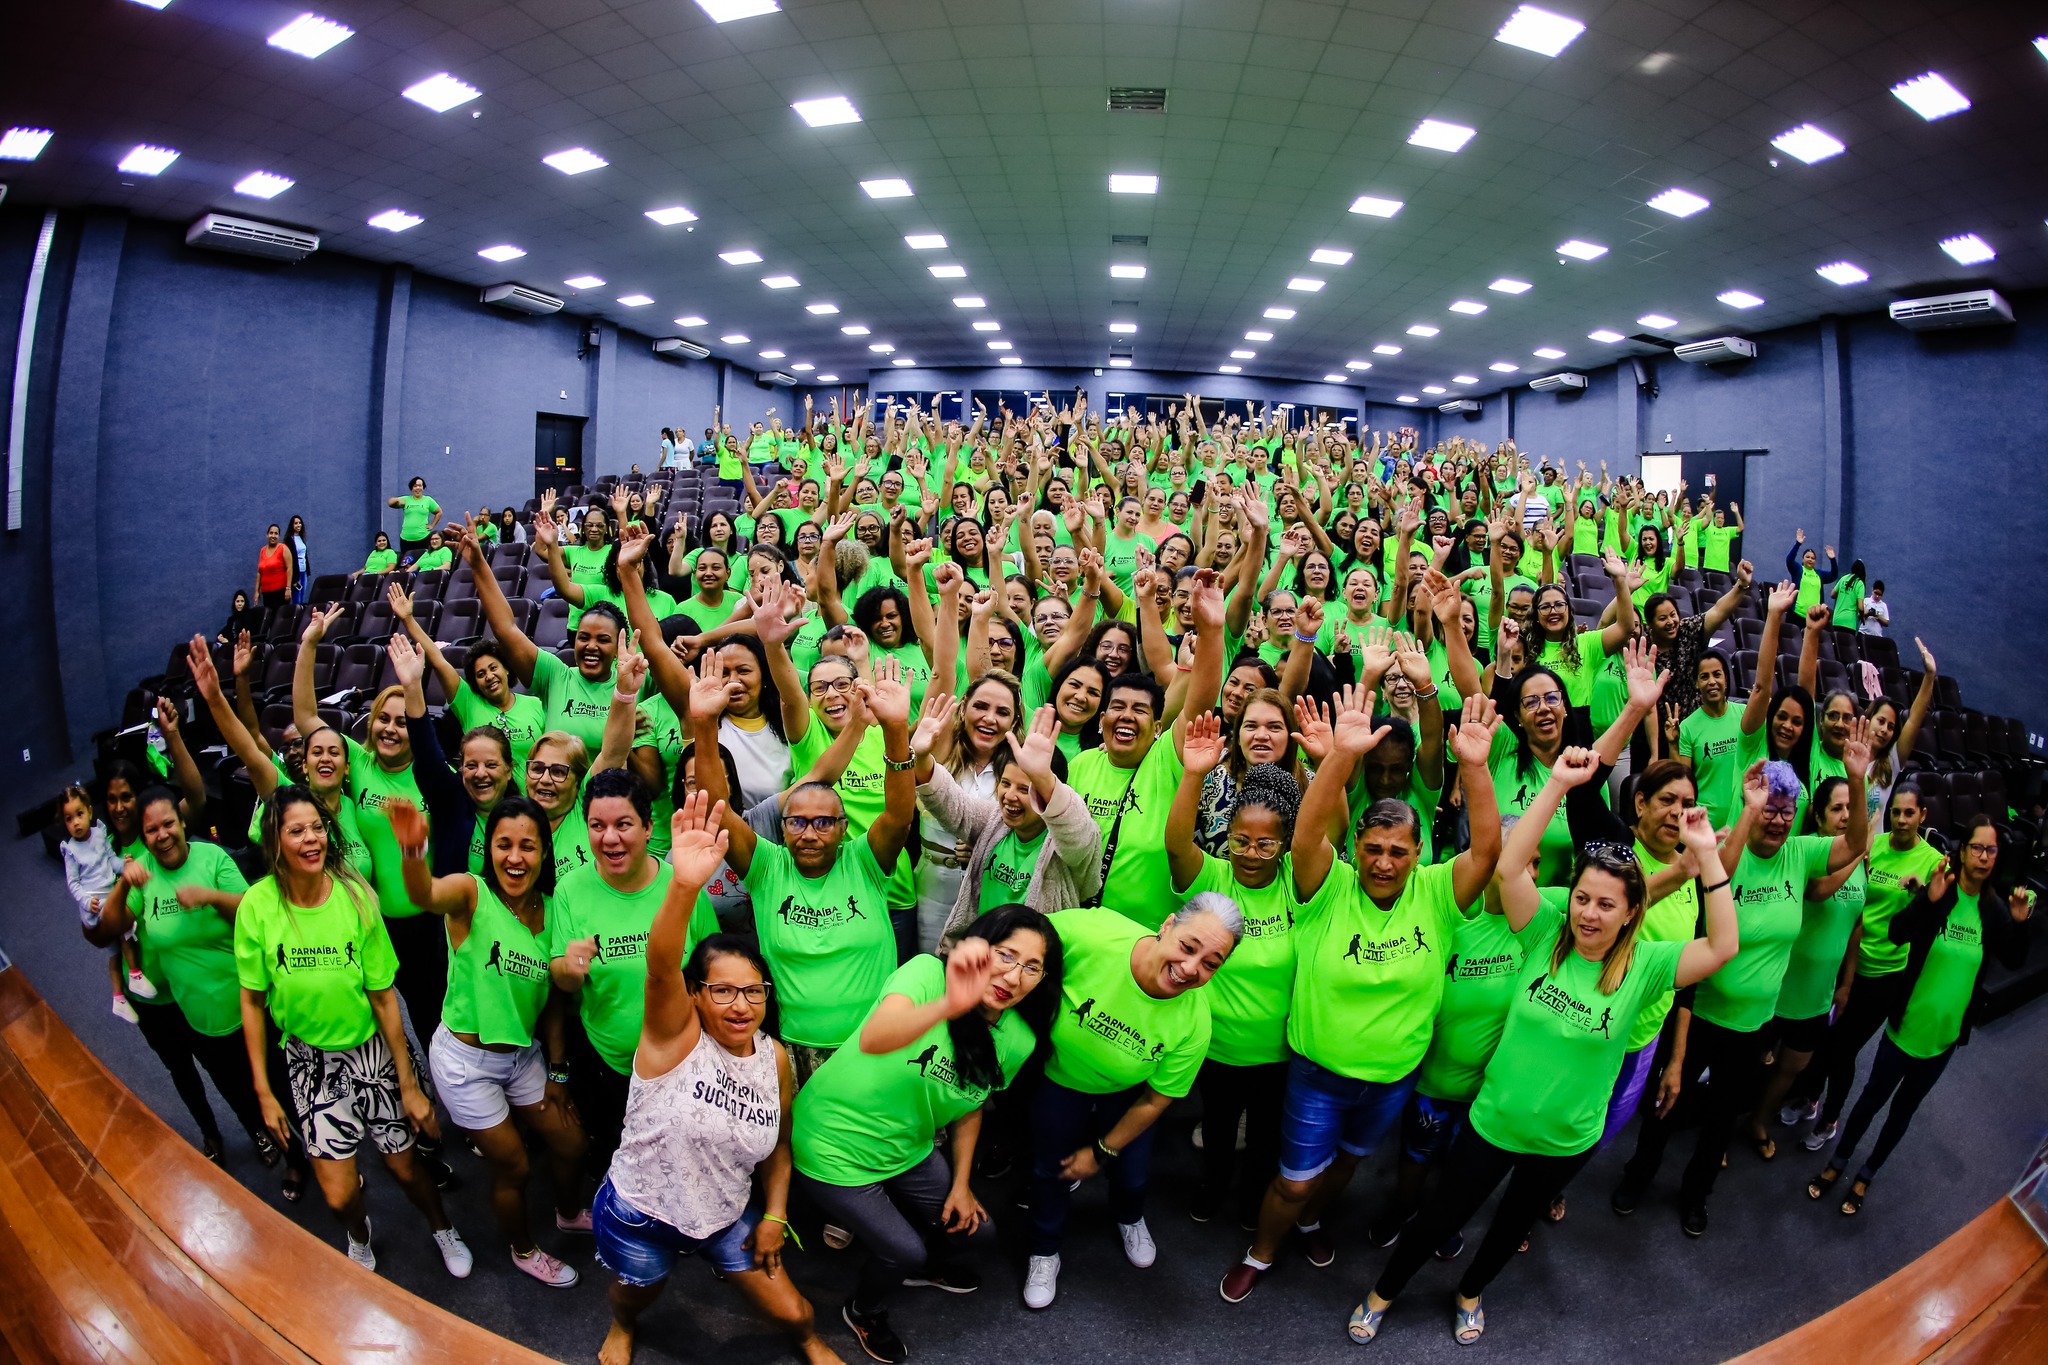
1069	867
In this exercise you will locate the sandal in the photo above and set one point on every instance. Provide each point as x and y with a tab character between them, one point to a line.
1818	1187
1766	1147
1852	1202
1555	1213
294	1187
1365	1323
1469	1323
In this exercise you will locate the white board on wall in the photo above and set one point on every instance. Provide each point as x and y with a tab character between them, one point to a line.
1661	473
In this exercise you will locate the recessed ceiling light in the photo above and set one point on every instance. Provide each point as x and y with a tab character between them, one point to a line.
1434	388
925	241
1584	251
1538	30
1119	362
890	188
1280	314
1358	364
2041	46
144	159
503	252
828	379
575	160
823	310
1330	255
1808	143
1000	346
740	257
263	185
1376	207
969	301
1230	369
635	300
155	4
396	220
309	35
1244	355
855	329
1504	285
1739	298
903	361
672	215
1407	398
1444	137
1931	97
735	339
1304	284
1464	379
1843	272
1134	184
802	367
587	282
1502	367
780	281
1656	320
987	325
1468	307
725	11
1009	360
1386	348
1336	379
691	320
1423	329
1258	336
1968	249
824	113
880	347
1124	328
773	355
1127	272
1678	203
441	93
1605	335
949	272
23	144
1548	353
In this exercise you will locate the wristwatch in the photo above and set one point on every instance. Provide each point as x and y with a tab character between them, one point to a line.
897	765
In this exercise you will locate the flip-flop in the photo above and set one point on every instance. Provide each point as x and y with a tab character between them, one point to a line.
1365	1323
1766	1147
1555	1213
1469	1324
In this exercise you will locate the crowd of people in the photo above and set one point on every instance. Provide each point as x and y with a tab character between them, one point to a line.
978	790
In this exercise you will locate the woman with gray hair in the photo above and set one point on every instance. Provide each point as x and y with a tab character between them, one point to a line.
1129	1036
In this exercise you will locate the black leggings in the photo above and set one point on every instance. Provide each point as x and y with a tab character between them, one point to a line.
1901	1078
1871	1000
1255	1093
901	1221
1737	1063
600	1097
172	1040
421	943
1476	1167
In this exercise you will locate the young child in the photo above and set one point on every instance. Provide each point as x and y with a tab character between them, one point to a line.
91	866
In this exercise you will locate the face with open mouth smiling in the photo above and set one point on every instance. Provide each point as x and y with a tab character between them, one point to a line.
1127	725
1186	952
1262	733
516	855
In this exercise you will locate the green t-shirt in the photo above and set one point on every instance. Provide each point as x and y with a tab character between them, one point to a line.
828	942
1578	682
1007	874
1885	896
1479	983
380	561
1768	892
1109	1035
191	951
570	841
585	564
864	1118
353	849
1809	590
917	670
666	738
498	978
1480	590
614	996
1711	743
571	702
316	963
1248	996
1514	787
1120	556
372	787
1714	543
434	559
710	615
1139	884
862	791
1848	591
1675	919
1933	1017
1367	981
522	722
417	516
1816	964
1547	1088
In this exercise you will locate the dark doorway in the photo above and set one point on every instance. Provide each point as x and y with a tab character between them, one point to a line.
557	451
1727	468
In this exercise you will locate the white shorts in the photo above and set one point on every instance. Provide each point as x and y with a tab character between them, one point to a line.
479	1087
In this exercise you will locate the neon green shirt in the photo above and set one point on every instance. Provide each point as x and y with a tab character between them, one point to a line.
1109	1034
317	964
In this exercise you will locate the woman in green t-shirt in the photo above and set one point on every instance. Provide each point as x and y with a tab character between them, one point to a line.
942	1039
487	1057
437	556
418	513
481	694
382	558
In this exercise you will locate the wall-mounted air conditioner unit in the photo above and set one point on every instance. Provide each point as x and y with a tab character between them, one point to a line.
1459	405
219	232
778	379
1567	380
676	346
1717	351
1977	308
517	298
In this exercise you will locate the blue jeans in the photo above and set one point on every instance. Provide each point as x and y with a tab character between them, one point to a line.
640	1249
1325	1113
1062	1122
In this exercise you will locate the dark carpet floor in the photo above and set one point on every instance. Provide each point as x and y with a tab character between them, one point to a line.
1596	1289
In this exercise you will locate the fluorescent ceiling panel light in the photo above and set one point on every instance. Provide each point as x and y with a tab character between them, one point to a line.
1584	251
1127	272
1444	137
828	379
155	4
1678	203
396	220
1258	336
575	160
735	339
1423	329
1304	284
1931	97
949	272
2041	46
823	310
1468	307
441	93
1739	298
1000	346
264	185
1464	379
1502	367
691	320
591	282
925	241
503	252
1407	398
144	159
636	300
1244	355
672	215
1230	369
23	144
1336	379
903	361
1386	348
740	257
880	347
1548	353
987	325
780	281
1124	328
1538	30
890	188
1376	207
1605	335
1330	255
1358	364
826	112
802	367
1134	184
1434	388
1656	320
1968	249
854	329
1119	362
773	355
969	301
309	35
1504	285
725	11
1280	314
1843	272
1808	143
1009	360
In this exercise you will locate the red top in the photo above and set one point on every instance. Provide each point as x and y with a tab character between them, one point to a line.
273	569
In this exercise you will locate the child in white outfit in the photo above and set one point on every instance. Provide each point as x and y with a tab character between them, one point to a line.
91	867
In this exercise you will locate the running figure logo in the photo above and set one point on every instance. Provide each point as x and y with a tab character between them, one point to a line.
1352	951
1080	1011
496	962
349	953
1535	987
923	1060
280	959
596	948
1420	945
1606	1018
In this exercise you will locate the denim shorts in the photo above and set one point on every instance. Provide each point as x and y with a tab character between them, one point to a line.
641	1249
1325	1113
1429	1126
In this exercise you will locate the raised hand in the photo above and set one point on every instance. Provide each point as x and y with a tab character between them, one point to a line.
1208	601
1040	742
317	622
710	689
1926	655
1639	667
408	664
982	604
697	840
1782	597
1942	880
2021	904
1671	722
245	653
400	600
1696	832
1351	729
1755	791
632	670
1472	742
969	968
1575	766
204	675
1856	748
1818	615
1203	745
888	699
1745	574
408	824
933	720
634	541
1313	729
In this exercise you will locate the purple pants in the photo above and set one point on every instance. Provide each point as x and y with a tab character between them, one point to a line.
1628	1089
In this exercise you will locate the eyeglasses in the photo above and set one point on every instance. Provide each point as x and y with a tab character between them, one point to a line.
1009	961
800	824
1780	815
1244	843
1543	701
560	772
725	995
829	686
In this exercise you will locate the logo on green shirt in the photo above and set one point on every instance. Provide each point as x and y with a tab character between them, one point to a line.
316	957
1545	993
793	911
1363	950
521	965
622	945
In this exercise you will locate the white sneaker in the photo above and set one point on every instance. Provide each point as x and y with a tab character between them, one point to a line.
1794	1114
1821	1136
1041	1281
546	1268
138	984
1138	1248
124	1010
454	1253
360	1252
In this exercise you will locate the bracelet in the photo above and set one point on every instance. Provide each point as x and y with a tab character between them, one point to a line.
1109	1153
896	765
788	1227
625	696
1710	890
420	852
558	1074
1305	639
1425	696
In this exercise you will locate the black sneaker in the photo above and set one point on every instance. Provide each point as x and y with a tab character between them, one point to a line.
1625	1197
1384	1233
1693	1218
1453	1247
954	1279
873	1333
1204	1206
